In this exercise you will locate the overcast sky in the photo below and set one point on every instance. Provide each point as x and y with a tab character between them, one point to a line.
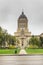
10	10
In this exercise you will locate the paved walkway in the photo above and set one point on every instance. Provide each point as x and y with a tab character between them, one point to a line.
22	51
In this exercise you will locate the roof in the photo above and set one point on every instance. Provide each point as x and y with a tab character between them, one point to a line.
22	16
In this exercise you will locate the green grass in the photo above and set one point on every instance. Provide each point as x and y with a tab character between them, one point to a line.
29	51
34	51
9	51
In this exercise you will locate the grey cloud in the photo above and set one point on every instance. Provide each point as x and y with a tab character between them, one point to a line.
11	9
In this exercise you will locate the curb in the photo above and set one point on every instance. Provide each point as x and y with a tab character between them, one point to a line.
21	54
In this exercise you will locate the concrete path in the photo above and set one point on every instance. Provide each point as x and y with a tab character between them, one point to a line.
22	51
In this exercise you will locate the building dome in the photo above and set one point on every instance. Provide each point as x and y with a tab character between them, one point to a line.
22	16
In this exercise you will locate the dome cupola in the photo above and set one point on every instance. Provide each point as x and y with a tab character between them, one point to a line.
22	16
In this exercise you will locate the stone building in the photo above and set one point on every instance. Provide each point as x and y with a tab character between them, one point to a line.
23	34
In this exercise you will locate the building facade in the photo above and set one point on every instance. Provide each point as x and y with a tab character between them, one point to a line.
23	34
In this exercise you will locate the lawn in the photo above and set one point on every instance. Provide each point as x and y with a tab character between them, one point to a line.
34	51
9	51
29	51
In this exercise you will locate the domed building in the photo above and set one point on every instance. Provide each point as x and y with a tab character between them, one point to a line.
22	33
